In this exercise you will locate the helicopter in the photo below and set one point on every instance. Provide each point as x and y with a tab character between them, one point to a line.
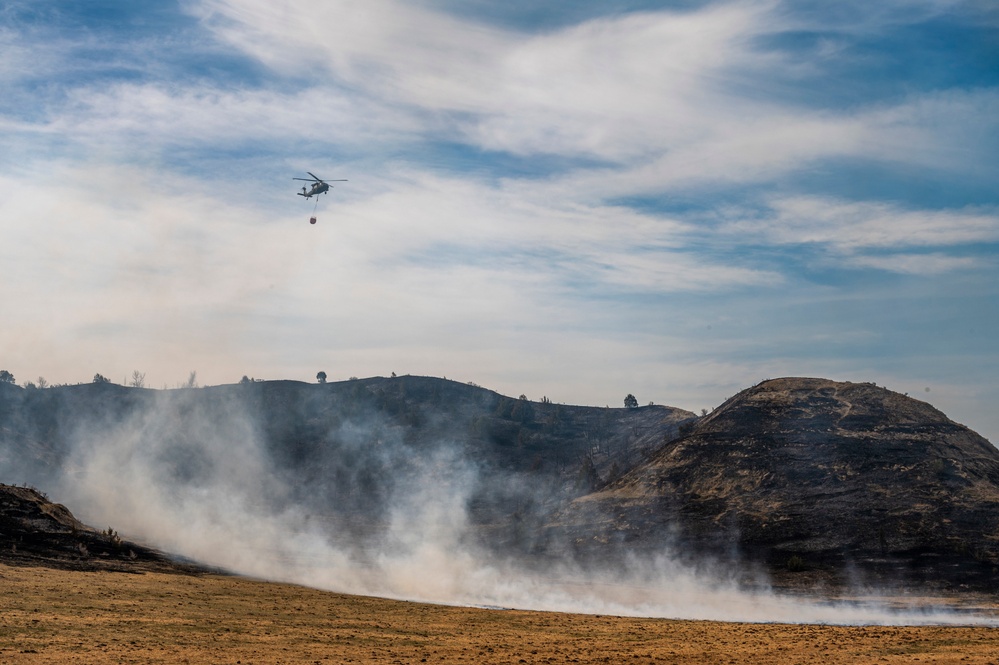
319	186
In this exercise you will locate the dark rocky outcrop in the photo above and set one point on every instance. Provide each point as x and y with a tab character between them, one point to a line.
36	531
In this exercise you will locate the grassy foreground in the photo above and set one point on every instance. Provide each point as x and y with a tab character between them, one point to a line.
57	616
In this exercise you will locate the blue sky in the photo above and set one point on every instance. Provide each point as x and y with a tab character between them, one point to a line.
572	200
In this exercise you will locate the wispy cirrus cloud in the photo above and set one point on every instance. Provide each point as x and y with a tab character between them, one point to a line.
612	87
934	263
207	116
854	225
873	234
671	98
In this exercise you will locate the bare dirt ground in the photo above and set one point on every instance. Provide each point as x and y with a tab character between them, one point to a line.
63	616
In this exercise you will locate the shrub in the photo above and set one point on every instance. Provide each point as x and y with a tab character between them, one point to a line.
113	538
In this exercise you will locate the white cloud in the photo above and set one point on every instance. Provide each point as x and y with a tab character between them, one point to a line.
854	225
155	265
380	45
160	264
955	131
917	264
614	87
14	57
524	228
617	88
129	119
731	142
673	98
871	234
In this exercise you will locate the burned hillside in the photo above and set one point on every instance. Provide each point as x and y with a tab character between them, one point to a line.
799	476
809	473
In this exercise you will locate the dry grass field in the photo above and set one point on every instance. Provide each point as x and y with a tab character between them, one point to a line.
59	616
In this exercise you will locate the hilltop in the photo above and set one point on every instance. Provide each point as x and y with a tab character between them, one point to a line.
808	473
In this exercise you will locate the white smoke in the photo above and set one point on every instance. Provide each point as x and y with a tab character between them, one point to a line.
202	485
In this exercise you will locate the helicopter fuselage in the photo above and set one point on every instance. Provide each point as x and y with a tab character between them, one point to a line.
317	188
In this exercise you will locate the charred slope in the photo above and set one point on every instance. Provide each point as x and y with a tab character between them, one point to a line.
793	473
33	530
813	472
300	421
40	429
344	452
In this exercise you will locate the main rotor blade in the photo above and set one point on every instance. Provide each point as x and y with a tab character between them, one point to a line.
305	179
314	176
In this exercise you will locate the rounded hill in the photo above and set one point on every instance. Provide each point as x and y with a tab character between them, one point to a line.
801	473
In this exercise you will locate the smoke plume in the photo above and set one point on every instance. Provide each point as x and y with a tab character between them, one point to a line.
351	502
